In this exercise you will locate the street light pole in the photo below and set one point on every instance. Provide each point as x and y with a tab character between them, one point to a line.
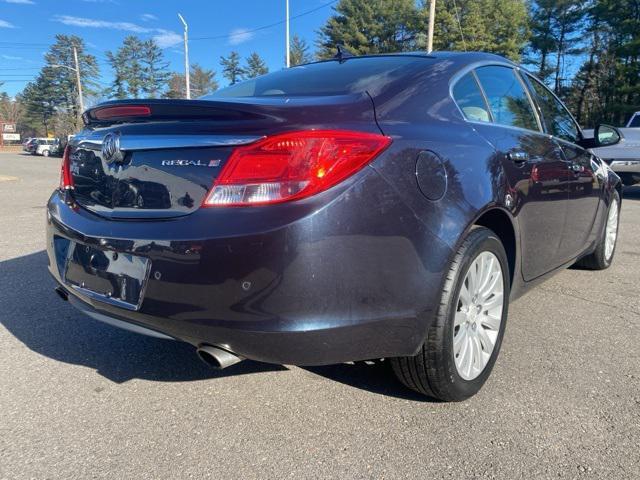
432	18
186	56
287	33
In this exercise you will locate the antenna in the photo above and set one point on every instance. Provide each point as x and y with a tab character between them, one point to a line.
464	43
342	53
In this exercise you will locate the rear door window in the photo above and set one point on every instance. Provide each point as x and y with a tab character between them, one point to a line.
468	96
508	100
557	119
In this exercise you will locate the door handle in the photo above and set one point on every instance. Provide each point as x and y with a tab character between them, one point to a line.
518	156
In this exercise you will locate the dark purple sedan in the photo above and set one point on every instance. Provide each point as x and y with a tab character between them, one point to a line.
357	208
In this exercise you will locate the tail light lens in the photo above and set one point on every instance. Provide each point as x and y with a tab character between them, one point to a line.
66	180
292	166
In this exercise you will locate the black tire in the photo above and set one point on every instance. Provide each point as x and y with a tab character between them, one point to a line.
433	371
598	259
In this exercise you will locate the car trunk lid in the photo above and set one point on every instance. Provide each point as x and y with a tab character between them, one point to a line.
159	161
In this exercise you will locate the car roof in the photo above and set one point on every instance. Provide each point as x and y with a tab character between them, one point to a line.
458	57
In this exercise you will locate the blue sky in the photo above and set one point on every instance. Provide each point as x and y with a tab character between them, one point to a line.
28	27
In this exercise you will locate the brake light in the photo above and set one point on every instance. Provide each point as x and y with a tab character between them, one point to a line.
66	180
292	166
107	113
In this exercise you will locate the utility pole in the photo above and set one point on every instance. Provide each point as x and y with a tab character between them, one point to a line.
78	81
186	56
287	33
432	19
77	69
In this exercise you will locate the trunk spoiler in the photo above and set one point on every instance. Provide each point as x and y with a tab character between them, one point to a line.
246	110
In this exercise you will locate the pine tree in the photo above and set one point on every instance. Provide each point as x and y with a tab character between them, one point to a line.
40	104
255	66
201	81
371	26
299	51
496	26
118	62
177	86
231	69
139	69
556	31
606	88
154	69
54	92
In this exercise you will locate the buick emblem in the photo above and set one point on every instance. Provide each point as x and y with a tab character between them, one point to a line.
111	148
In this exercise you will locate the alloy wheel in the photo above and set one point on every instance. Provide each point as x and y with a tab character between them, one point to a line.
611	232
478	315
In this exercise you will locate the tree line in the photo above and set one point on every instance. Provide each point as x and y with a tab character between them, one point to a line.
49	103
588	52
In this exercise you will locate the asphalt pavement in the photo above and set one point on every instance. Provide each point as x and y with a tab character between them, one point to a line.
79	399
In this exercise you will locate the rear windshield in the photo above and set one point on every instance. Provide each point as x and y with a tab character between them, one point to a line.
354	75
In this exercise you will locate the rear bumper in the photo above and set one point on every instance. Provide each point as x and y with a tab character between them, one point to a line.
322	281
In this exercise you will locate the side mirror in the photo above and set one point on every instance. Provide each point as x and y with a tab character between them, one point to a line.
606	135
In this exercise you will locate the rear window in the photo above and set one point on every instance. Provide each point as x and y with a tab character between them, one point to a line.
354	75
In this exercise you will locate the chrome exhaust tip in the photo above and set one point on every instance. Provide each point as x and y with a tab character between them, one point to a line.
216	357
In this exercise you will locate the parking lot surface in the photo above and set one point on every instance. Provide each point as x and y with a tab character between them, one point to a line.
79	399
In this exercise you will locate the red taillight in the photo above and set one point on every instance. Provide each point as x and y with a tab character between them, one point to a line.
66	180
292	165
107	113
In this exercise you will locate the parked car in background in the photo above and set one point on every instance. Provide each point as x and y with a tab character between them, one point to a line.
634	121
385	206
624	157
29	145
45	146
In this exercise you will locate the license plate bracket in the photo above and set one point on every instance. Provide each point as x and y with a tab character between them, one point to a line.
115	278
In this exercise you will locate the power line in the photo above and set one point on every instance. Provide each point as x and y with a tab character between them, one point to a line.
23	43
274	24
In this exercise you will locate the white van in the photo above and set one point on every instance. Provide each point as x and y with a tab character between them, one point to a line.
45	146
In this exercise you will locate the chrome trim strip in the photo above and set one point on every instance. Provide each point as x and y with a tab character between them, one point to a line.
103	298
116	322
93	141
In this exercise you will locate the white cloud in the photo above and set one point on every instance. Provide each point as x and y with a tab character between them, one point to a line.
148	17
5	24
240	35
10	57
93	23
167	38
21	2
164	38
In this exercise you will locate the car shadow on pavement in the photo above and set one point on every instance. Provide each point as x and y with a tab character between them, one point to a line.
32	312
375	377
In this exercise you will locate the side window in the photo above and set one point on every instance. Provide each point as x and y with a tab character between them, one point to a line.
507	98
635	122
467	95
555	116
